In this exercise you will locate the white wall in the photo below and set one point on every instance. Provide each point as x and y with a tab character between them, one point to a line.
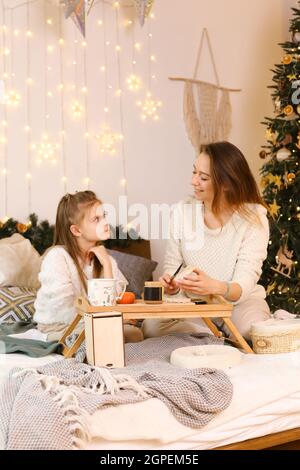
159	157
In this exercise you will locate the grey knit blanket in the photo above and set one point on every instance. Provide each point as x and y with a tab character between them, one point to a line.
49	407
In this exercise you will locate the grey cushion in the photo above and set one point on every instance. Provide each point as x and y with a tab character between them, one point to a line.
136	269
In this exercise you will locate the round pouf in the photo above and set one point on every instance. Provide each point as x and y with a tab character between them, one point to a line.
212	356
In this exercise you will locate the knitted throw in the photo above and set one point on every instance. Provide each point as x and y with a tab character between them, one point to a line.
49	407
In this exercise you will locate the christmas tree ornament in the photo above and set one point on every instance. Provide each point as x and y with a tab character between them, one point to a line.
22	228
264	182
143	9
274	209
291	177
288	110
292	77
287	59
283	154
284	260
296	37
263	154
277	105
277	181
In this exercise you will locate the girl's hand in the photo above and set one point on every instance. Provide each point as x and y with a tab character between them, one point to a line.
101	253
200	283
170	286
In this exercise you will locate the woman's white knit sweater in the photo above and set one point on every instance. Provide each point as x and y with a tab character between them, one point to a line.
233	253
60	286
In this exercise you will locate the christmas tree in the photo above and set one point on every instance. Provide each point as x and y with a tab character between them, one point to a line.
281	179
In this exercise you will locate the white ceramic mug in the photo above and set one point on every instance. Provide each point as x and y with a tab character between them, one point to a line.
103	292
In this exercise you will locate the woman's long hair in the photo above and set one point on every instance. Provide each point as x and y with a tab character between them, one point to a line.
232	180
71	211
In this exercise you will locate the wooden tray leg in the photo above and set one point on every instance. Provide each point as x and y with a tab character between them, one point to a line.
212	327
69	351
236	334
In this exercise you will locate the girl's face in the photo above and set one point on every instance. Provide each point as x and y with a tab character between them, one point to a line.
201	179
94	226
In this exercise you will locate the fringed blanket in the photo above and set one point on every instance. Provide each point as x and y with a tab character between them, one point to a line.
49	407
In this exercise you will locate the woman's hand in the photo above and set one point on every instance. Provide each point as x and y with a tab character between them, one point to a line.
101	254
200	283
170	286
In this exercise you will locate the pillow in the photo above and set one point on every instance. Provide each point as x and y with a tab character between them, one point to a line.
19	262
16	303
136	269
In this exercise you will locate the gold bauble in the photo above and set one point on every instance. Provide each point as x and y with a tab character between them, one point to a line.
291	177
288	110
22	228
298	109
287	59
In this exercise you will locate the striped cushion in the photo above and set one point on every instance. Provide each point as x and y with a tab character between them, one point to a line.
16	303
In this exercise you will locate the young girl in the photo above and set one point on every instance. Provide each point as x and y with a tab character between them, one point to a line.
75	257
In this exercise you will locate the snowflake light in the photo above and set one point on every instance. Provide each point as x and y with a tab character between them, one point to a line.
108	139
149	107
46	150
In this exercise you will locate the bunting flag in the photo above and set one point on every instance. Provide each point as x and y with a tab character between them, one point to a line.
75	9
143	8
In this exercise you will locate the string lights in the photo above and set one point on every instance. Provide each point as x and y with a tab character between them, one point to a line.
4	122
150	106
108	138
46	149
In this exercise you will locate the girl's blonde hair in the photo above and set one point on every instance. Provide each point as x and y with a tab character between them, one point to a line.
71	211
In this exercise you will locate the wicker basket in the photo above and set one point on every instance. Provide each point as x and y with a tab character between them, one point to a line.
276	336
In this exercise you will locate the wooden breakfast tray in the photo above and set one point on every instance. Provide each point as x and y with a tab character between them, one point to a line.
217	307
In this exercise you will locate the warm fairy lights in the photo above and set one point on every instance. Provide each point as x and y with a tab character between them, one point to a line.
134	82
46	151
108	139
77	109
149	107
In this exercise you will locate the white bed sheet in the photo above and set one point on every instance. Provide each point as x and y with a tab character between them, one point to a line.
266	400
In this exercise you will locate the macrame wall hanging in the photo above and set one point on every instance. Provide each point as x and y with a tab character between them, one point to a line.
206	106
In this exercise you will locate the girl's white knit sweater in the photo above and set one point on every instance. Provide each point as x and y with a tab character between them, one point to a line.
60	285
233	253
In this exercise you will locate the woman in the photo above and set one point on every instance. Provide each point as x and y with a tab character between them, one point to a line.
236	234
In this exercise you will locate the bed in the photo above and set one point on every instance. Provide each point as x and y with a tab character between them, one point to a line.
264	412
